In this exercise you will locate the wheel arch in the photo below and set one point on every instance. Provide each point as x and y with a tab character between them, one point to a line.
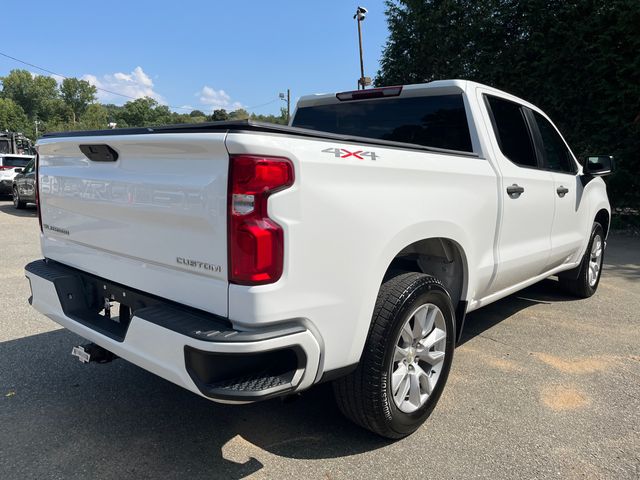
603	217
395	247
438	249
440	257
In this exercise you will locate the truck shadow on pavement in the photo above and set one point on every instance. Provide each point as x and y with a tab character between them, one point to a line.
9	209
479	321
63	419
122	421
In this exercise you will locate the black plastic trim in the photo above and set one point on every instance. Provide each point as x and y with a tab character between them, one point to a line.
336	373
79	298
249	126
201	326
461	316
235	376
99	153
585	178
79	291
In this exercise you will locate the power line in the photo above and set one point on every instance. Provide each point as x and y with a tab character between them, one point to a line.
116	93
263	104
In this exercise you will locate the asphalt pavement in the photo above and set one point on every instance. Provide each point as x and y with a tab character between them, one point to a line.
542	386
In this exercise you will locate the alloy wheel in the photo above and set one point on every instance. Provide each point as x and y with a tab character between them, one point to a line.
595	260
418	357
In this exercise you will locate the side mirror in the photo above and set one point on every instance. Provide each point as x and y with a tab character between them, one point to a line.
599	165
18	170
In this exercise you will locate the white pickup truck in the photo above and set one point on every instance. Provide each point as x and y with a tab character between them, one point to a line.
244	261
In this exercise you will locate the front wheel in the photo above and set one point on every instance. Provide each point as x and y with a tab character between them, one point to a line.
19	204
406	360
590	269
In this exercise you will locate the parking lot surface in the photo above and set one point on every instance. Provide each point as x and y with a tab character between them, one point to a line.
542	386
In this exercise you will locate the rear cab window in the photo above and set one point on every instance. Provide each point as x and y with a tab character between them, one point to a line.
15	161
438	121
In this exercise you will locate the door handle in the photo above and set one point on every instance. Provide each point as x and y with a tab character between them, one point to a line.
515	190
562	191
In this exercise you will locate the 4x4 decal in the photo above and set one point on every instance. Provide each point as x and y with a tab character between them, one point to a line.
344	153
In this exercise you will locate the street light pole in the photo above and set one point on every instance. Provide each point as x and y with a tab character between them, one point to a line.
361	60
288	100
360	15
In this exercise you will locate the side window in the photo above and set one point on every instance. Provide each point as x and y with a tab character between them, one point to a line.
557	155
29	167
512	132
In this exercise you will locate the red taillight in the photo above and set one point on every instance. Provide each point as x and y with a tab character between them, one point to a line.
256	242
6	167
38	191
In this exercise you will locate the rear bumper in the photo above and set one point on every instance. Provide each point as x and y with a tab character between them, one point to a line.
198	351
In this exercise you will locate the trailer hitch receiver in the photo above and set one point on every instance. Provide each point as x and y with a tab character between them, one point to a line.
91	352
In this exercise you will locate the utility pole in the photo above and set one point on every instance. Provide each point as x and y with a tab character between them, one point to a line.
37	122
360	15
288	100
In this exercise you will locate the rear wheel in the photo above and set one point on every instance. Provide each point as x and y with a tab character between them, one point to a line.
19	204
590	269
406	360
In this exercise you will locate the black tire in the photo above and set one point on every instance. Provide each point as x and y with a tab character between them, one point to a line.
365	396
579	285
19	204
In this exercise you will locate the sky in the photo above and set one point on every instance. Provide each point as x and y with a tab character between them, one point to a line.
197	54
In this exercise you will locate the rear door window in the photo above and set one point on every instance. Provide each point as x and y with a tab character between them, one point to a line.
512	131
438	121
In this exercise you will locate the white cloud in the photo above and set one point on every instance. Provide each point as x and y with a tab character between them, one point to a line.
136	84
217	99
57	78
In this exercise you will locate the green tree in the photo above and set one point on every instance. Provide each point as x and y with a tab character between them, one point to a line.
36	94
139	112
95	117
12	117
579	61
278	119
239	114
162	115
197	113
114	112
219	115
77	94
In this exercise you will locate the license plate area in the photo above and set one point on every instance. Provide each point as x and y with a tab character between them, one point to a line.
99	304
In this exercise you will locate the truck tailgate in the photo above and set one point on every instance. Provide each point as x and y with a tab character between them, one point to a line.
154	219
